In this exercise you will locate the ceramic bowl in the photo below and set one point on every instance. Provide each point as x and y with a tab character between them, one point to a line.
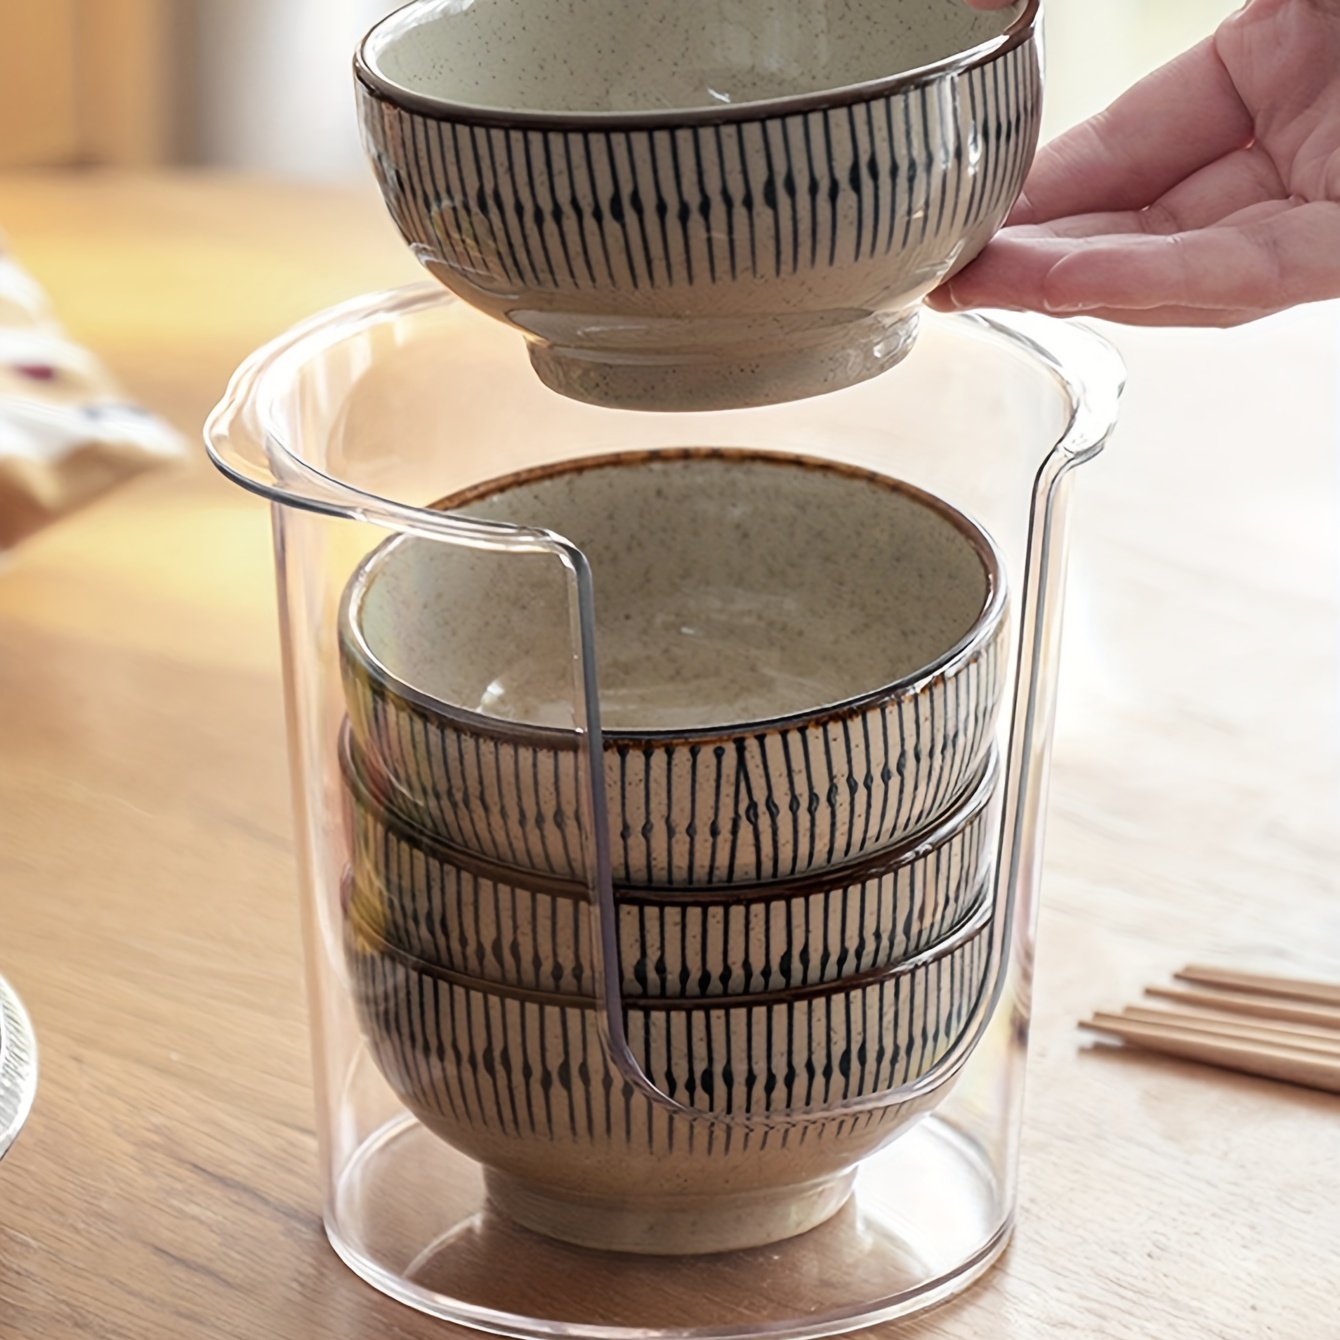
483	920
692	205
520	1081
799	663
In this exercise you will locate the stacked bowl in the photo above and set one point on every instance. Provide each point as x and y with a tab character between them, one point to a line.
801	664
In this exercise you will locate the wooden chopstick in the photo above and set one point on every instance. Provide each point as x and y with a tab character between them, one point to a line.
1282	1028
1261	984
1262	1007
1288	1035
1245	1021
1291	1064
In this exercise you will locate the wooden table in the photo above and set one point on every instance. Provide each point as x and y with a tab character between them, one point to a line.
166	1186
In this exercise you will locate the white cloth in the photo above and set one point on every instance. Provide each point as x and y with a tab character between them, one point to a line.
67	434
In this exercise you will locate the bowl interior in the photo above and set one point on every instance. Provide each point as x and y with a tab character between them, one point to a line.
729	588
591	56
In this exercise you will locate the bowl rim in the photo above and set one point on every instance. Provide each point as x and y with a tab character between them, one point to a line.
1021	30
358	657
966	808
980	923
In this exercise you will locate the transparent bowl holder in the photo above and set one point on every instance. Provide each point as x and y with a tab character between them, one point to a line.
350	425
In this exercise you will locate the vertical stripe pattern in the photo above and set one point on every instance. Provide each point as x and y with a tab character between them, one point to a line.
705	810
498	925
575	210
527	1064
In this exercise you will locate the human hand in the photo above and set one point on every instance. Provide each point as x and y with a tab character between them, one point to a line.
1209	194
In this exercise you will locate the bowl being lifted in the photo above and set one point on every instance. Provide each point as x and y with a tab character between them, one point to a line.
798	662
687	205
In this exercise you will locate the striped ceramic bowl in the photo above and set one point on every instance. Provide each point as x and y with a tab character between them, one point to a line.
690	205
800	663
521	1081
484	921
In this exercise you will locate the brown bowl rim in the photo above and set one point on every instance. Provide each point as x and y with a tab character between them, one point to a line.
980	923
359	659
360	776
1022	29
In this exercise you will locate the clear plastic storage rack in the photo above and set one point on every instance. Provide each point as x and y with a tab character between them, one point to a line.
351	425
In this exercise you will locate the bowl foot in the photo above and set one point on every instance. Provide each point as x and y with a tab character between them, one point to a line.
670	1225
755	368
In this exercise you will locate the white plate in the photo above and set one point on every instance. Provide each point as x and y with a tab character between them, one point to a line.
18	1065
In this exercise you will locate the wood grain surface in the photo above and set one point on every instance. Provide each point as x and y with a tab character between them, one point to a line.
166	1187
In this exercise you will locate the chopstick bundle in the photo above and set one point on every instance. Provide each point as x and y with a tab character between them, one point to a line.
1280	1028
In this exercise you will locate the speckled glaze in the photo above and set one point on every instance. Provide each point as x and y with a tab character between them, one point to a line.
701	204
485	921
521	1082
799	663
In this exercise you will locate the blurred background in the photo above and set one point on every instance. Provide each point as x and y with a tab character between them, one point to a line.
264	85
